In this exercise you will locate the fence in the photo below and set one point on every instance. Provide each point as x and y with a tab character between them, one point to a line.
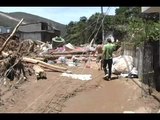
147	61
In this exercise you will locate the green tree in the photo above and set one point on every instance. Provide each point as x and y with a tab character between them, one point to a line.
83	19
76	31
128	24
128	12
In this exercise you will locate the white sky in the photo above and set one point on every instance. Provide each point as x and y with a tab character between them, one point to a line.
60	14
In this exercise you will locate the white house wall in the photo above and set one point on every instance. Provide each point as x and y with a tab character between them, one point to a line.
150	9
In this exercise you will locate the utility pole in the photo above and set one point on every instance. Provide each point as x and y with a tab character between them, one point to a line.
102	25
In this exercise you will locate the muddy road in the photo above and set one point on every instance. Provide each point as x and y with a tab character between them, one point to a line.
58	94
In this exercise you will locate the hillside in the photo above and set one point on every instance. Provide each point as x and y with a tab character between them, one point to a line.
10	19
7	21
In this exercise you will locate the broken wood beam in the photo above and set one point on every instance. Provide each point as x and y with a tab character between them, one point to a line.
48	70
43	64
40	73
30	60
52	67
7	40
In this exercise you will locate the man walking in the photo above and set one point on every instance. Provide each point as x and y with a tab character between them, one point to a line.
99	55
108	50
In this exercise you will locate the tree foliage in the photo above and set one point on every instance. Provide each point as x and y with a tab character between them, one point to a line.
141	27
127	24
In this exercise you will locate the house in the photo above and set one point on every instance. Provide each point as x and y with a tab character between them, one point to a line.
37	31
5	29
150	9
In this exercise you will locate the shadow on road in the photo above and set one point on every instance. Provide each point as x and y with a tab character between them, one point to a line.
112	78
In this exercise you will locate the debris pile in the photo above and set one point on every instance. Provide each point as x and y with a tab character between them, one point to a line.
19	58
123	65
22	58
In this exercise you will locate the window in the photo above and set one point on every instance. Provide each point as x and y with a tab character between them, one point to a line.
8	30
44	26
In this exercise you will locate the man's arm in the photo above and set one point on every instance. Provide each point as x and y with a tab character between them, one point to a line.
116	46
103	52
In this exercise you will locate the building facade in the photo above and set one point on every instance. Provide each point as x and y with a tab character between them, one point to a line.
38	31
5	29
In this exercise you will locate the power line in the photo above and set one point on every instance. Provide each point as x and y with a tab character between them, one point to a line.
94	28
100	25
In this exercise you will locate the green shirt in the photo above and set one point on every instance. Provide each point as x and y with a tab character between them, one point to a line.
108	50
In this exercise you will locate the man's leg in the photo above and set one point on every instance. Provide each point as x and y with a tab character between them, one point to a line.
109	68
101	64
98	58
104	66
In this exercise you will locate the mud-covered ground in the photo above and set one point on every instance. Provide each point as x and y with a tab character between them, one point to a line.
63	94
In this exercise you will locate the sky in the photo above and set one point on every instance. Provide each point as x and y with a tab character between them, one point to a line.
61	15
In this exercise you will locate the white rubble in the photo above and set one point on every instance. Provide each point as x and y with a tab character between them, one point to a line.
78	76
122	64
69	46
134	71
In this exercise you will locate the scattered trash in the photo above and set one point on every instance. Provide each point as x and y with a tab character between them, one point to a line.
78	76
62	59
69	46
50	62
133	73
71	64
88	66
69	72
124	75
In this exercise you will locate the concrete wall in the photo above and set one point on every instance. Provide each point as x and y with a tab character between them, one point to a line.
128	49
30	27
138	61
33	36
137	54
129	52
47	36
